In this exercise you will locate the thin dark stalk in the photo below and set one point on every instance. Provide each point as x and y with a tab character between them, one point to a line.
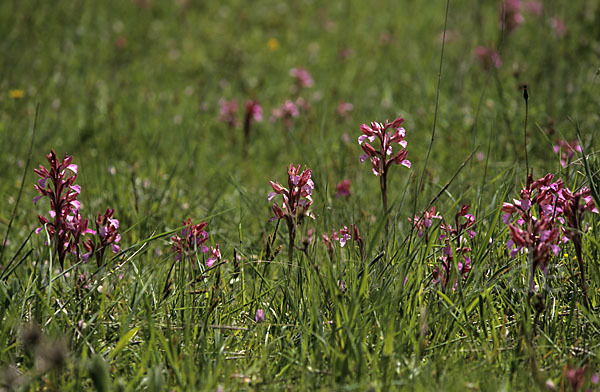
14	213
526	98
247	120
384	199
292	240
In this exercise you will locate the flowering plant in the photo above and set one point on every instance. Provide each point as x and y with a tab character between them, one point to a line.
383	157
344	235
192	238
567	151
108	230
297	199
460	233
557	219
423	223
253	113
58	184
228	111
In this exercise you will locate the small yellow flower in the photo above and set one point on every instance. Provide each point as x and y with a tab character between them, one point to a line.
273	44
16	94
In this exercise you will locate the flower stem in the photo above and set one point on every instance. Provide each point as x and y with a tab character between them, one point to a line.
384	199
292	240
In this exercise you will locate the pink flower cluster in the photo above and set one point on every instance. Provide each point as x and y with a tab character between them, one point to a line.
342	189
253	111
424	222
383	157
228	112
107	227
557	218
297	197
344	109
303	78
488	57
510	15
286	112
192	238
58	184
567	150
344	235
457	236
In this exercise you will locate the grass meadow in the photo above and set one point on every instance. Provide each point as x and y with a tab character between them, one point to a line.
447	260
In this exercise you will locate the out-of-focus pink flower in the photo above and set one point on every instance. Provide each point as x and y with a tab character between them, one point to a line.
576	376
120	42
343	189
488	57
344	109
259	316
303	78
286	112
566	150
558	26
510	14
254	110
228	112
534	7
142	3
253	113
344	53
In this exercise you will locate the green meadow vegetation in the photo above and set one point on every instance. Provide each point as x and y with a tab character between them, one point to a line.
439	233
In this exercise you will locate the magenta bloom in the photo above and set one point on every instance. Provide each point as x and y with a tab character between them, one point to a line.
58	184
488	57
558	26
297	199
107	228
343	189
344	109
534	7
567	150
510	15
424	222
259	316
544	205
383	157
254	110
286	112
228	112
215	256
344	235
303	78
253	113
459	236
192	238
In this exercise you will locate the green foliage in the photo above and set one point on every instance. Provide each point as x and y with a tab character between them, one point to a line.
131	90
